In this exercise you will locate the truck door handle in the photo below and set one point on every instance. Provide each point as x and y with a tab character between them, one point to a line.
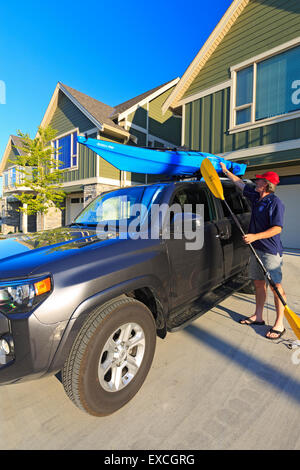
222	235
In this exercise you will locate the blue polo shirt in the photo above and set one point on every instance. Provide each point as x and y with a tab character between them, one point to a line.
265	214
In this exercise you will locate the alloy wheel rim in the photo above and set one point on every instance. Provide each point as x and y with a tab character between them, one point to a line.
121	357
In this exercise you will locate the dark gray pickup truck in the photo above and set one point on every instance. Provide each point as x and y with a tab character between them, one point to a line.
87	301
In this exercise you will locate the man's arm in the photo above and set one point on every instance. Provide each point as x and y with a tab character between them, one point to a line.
271	232
239	183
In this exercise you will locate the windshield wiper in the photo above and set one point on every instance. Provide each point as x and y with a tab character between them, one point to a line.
84	224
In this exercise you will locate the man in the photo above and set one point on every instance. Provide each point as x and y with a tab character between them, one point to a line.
264	234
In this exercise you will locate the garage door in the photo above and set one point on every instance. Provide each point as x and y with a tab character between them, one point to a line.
75	206
290	196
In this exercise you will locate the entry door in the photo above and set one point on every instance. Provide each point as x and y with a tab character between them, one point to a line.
194	272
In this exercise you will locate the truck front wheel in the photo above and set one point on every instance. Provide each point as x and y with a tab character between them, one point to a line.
111	356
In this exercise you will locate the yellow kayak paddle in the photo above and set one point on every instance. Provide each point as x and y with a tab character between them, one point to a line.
213	181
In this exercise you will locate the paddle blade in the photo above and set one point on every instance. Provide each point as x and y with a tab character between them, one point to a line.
212	179
293	320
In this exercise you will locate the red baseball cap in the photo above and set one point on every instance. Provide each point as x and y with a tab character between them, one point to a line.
270	176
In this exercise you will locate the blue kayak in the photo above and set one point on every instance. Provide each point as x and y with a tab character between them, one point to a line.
148	161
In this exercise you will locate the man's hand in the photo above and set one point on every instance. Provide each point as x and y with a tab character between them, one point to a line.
223	166
271	232
250	238
236	180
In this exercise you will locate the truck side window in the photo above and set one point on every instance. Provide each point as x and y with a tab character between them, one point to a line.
193	196
234	200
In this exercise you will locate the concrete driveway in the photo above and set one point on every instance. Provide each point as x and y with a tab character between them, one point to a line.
215	385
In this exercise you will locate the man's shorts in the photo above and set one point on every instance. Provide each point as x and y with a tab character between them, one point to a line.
273	264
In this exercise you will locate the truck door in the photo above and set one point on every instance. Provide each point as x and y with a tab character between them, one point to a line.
236	252
195	271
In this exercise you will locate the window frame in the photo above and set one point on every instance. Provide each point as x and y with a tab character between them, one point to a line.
8	173
253	62
72	155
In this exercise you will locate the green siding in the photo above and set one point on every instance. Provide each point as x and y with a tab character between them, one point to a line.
12	155
66	118
138	177
106	170
139	117
164	126
207	123
263	25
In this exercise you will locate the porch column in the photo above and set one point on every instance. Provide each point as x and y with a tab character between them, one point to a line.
24	220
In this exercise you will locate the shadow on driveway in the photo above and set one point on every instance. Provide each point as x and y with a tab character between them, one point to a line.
281	381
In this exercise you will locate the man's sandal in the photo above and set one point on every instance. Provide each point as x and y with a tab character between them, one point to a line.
247	321
277	332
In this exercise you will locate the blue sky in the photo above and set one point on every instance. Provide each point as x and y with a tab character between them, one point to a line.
111	51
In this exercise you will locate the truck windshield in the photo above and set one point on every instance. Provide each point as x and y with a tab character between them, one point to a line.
119	205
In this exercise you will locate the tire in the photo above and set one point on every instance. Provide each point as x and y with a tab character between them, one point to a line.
111	356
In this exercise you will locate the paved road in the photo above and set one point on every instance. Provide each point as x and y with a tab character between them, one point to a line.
214	385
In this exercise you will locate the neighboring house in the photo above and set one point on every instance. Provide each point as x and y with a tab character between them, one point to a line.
138	121
240	97
12	218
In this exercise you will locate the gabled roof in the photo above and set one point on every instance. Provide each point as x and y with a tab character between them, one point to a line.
17	142
101	114
13	141
127	105
95	110
205	52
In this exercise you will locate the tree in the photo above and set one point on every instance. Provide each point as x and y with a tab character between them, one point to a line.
39	172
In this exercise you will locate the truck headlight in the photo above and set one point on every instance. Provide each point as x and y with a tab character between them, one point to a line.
24	295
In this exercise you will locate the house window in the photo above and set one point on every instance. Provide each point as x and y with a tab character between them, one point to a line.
6	179
10	177
13	176
66	151
268	88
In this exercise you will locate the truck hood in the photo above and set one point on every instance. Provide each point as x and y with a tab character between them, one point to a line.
20	255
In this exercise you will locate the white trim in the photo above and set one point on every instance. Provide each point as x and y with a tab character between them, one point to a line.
94	180
150	136
206	92
183	125
8	148
85	181
266	54
60	136
151	97
91	131
137	128
263	149
50	105
147	124
264	122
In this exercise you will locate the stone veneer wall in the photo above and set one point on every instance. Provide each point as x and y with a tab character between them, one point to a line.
52	219
90	191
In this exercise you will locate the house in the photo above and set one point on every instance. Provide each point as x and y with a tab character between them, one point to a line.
138	121
12	218
240	96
